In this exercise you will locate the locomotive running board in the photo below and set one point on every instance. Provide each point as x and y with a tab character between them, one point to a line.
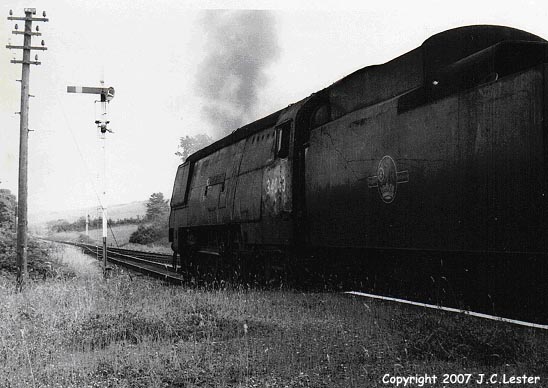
450	309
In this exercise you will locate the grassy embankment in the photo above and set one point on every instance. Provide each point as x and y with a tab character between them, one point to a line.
81	331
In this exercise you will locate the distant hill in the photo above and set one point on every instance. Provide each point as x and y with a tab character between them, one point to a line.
115	212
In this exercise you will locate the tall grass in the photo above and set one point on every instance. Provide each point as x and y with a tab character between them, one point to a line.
86	332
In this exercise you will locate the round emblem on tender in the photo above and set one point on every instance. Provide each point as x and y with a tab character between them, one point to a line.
387	179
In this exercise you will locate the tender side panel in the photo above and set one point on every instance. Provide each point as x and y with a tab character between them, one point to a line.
499	149
545	164
465	172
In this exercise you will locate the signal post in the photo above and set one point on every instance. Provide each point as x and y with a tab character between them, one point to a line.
107	94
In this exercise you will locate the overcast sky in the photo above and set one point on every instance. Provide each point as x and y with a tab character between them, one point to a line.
165	60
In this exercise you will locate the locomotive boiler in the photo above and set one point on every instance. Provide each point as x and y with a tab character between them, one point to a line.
424	177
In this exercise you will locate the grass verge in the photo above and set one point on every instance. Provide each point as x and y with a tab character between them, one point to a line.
86	332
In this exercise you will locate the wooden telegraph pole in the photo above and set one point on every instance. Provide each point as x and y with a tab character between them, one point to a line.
24	133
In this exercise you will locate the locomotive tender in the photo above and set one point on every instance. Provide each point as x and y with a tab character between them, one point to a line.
423	177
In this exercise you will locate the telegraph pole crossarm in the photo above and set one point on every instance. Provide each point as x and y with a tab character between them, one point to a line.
27	47
26	33
28	18
26	62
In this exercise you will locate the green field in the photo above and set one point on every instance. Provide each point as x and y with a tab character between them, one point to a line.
131	331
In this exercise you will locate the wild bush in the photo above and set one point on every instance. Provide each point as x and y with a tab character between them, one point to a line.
155	229
148	233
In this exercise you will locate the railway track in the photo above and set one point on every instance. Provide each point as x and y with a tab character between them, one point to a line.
153	264
160	266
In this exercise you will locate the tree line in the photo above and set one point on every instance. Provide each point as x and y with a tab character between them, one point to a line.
79	225
152	227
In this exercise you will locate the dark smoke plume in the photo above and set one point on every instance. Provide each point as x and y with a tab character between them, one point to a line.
239	46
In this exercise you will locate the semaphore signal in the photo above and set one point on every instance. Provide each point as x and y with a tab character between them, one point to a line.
107	94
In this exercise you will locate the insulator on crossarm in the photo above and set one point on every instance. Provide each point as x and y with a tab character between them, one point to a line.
11	12
36	57
43	43
37	28
44	13
16	27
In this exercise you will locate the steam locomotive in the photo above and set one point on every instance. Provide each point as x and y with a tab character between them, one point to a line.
424	177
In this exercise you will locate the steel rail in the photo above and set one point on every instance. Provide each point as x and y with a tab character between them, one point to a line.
156	268
163	271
